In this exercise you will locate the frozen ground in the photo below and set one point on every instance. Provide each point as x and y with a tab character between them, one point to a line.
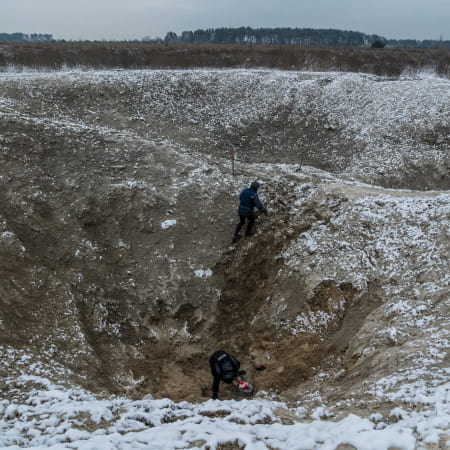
390	131
42	414
118	279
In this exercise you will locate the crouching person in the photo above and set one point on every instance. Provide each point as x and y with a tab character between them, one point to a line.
224	367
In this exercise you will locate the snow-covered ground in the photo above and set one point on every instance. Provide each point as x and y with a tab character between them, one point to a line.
364	233
41	414
384	252
376	129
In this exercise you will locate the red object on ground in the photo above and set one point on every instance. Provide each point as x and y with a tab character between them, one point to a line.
243	385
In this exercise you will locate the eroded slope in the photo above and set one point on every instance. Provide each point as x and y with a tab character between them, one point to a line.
117	212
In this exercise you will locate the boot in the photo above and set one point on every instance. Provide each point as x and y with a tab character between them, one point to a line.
236	237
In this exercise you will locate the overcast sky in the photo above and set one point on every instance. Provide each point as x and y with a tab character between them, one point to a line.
130	19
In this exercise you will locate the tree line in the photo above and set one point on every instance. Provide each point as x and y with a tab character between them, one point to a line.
275	36
23	37
413	43
307	37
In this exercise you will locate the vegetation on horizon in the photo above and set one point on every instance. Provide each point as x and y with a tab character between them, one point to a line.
307	37
23	37
58	55
275	36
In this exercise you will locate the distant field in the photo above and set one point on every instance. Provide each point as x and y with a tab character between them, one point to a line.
390	62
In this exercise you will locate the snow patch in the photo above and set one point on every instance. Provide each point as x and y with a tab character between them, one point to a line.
200	273
168	223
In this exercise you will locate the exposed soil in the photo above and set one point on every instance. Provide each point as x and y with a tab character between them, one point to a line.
111	214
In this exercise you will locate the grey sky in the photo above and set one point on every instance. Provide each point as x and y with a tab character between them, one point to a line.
129	19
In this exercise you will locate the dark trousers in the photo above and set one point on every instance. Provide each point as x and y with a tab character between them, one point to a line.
216	379
251	221
216	370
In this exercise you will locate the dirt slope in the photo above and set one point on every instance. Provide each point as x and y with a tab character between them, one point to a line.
117	210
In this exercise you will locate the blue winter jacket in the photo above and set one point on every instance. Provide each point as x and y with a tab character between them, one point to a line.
248	200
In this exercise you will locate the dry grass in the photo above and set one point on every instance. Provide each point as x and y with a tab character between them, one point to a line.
390	62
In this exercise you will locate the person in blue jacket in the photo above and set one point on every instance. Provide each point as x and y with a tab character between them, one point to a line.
248	201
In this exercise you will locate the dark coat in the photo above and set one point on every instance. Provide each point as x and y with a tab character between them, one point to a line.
248	200
222	362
